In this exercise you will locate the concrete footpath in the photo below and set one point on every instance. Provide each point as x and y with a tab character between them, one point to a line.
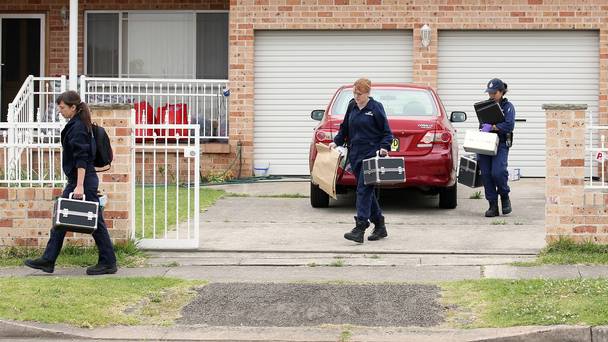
337	273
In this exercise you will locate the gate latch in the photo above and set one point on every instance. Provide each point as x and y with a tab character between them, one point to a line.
190	152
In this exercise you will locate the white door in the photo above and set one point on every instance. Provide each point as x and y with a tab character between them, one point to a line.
538	66
299	71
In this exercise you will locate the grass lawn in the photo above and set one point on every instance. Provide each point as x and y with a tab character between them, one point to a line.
506	303
565	251
175	212
93	302
127	255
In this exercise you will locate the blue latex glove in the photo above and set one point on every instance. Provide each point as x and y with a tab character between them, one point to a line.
486	128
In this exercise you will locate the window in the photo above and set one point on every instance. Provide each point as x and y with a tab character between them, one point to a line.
396	102
102	45
212	46
156	44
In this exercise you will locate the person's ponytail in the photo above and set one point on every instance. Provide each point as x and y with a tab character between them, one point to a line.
85	115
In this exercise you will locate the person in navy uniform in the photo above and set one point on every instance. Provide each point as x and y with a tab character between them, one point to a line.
494	172
78	152
365	128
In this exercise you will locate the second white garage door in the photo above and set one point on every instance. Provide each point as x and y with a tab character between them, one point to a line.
538	66
298	71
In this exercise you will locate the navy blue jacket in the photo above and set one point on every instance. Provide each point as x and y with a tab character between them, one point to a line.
78	147
508	125
365	129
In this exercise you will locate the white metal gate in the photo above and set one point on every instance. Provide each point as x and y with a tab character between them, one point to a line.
165	160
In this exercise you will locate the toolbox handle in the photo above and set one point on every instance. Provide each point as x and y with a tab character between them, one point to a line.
72	194
378	154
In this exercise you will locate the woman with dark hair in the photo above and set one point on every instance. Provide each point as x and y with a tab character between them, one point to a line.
78	152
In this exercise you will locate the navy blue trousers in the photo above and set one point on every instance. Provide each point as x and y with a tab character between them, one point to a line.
101	235
494	173
367	203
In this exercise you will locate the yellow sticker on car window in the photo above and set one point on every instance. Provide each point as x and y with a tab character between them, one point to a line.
395	145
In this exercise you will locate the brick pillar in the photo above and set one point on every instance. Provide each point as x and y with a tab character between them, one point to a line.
570	211
116	182
425	59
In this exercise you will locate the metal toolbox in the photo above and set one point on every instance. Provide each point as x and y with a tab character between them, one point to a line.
75	215
469	173
383	170
481	142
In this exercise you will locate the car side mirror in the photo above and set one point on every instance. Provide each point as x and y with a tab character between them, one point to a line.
317	114
458	117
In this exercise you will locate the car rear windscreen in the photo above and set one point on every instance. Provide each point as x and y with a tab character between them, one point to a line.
396	102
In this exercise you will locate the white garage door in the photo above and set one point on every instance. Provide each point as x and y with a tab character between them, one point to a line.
298	71
538	66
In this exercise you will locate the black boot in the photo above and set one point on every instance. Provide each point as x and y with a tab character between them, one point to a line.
41	264
379	230
357	233
493	211
506	204
100	269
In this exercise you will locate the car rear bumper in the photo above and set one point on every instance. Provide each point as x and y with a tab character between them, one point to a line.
435	169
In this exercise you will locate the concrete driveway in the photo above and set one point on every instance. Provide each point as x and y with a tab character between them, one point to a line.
415	224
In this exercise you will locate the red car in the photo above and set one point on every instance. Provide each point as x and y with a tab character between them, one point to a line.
423	135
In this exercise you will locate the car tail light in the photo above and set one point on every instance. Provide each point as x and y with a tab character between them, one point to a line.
324	136
441	137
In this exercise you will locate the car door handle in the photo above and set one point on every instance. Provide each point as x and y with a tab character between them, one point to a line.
521	120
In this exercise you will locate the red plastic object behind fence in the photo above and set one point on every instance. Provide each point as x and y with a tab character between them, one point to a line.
173	114
144	114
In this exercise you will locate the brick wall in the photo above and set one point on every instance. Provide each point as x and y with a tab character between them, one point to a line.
25	213
570	210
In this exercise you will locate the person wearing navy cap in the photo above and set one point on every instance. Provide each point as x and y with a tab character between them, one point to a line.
365	128
494	172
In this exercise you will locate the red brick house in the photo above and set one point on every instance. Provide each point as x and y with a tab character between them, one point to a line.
284	58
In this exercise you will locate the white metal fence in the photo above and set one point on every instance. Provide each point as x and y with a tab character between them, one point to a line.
165	101
30	154
33	127
597	154
166	186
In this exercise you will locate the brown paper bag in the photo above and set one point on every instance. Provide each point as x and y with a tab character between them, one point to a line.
325	169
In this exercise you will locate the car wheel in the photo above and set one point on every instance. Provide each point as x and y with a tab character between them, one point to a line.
448	197
318	197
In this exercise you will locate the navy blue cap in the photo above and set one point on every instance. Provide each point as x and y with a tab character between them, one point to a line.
495	85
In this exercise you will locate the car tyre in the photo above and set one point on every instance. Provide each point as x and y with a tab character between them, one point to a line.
448	197
318	197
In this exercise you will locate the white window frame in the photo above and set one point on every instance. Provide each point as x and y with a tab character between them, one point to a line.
120	24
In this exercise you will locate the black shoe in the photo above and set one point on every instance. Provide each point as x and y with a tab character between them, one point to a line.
506	204
100	269
357	233
40	264
379	230
493	211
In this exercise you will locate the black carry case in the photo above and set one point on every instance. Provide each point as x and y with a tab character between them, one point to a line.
469	173
74	215
383	170
489	112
